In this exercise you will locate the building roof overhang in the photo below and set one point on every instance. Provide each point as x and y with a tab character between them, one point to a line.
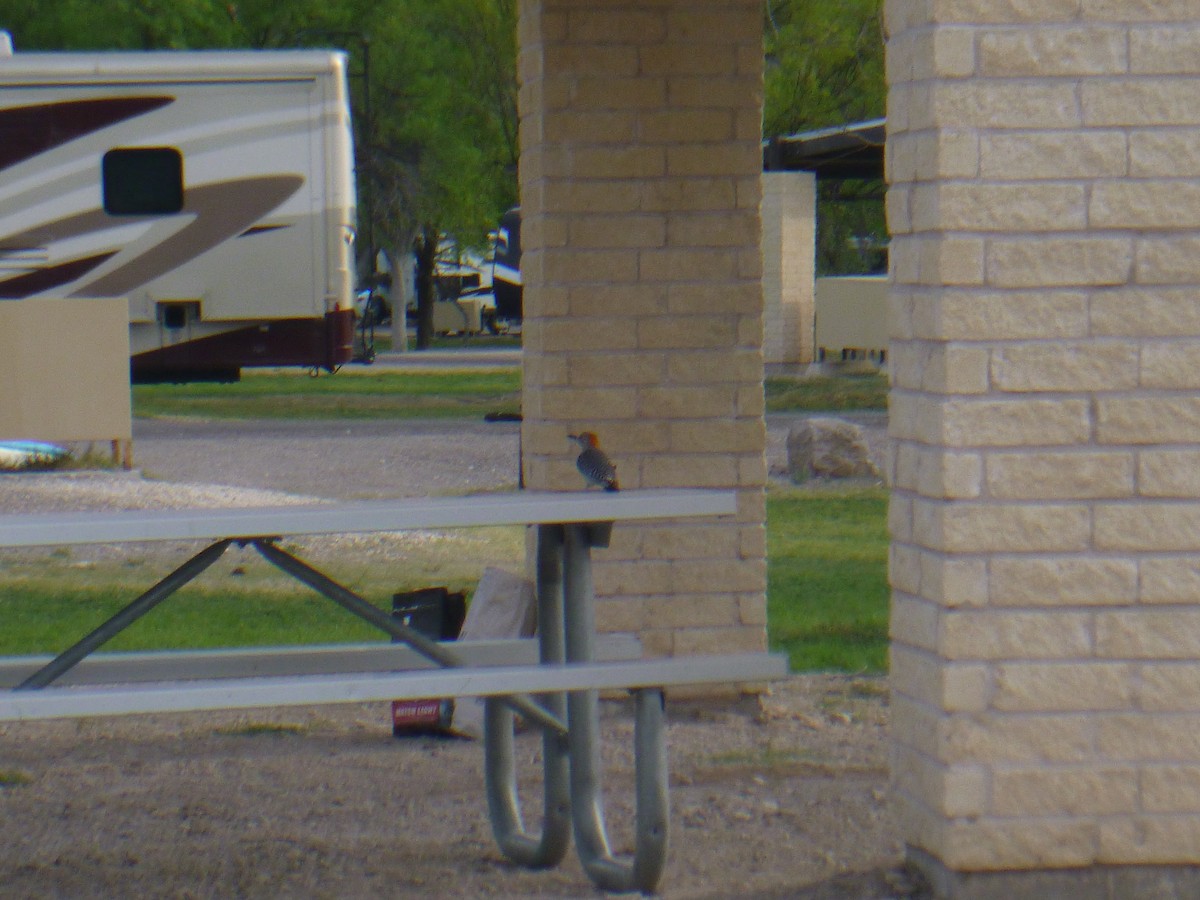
833	154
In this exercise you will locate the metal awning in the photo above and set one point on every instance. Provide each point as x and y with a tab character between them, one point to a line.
834	154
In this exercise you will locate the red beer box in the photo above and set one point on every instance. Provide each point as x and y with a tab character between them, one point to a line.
421	716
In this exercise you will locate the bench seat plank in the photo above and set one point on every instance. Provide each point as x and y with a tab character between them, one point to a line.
323	659
188	696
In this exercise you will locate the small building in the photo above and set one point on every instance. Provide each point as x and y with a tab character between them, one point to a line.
809	319
66	372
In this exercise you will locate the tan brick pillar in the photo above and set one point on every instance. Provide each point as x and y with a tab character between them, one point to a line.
640	165
1044	160
789	215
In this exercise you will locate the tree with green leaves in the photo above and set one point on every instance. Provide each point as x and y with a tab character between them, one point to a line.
116	24
442	148
824	64
435	108
824	68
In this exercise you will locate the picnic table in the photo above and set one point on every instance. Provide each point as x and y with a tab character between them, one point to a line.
554	686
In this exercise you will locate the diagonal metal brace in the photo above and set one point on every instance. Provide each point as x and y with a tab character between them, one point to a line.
347	599
66	660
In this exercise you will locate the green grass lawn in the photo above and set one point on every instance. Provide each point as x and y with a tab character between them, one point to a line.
37	616
823	393
365	393
827	594
350	394
49	601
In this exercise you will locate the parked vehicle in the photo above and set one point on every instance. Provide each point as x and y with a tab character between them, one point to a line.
463	285
214	190
507	286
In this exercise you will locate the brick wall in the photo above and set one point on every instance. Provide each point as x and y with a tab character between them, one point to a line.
789	209
640	192
1044	160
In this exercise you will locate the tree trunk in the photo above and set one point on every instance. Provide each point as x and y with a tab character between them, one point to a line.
426	251
400	294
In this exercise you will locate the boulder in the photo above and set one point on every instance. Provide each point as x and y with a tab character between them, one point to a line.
828	448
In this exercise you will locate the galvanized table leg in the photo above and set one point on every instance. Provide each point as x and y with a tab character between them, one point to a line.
642	872
504	806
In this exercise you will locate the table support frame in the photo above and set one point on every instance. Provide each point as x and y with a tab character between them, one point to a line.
566	628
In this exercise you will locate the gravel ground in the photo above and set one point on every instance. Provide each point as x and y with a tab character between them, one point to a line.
334	459
188	462
784	796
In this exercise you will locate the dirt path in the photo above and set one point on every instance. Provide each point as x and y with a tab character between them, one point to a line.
779	800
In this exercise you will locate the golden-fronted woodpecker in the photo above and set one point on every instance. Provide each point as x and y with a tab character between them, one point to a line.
593	463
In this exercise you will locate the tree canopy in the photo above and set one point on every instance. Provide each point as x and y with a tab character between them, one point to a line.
823	64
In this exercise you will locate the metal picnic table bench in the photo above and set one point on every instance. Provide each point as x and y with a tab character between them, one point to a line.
566	670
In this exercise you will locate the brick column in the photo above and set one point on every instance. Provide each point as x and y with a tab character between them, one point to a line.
789	214
640	165
1044	160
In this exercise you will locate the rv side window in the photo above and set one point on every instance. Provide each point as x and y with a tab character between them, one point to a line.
142	181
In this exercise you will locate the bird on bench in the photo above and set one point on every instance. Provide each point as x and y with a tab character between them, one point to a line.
593	463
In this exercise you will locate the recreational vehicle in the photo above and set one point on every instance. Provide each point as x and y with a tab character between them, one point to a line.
213	190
